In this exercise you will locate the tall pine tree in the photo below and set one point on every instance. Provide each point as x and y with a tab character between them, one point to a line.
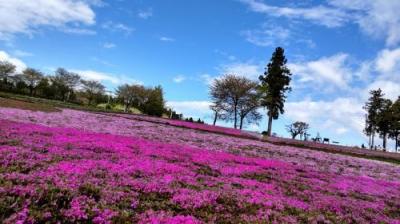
274	85
373	107
384	121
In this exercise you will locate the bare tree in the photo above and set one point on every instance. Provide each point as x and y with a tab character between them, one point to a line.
32	77
234	95
297	128
93	89
219	110
248	105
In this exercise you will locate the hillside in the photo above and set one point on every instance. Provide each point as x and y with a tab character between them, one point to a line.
80	166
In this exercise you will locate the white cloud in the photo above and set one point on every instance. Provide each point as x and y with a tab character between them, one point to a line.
196	109
207	78
246	69
97	76
98	3
117	27
225	54
267	36
344	114
109	45
79	31
376	18
386	73
20	53
364	71
327	16
388	61
167	39
101	61
179	78
341	130
337	71
20	65
379	19
21	16
338	115
389	88
326	71
145	14
101	76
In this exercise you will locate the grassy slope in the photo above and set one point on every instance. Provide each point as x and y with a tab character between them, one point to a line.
47	104
35	104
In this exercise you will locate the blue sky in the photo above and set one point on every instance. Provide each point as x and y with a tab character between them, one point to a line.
337	50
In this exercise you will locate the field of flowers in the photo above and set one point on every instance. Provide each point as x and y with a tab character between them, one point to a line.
73	166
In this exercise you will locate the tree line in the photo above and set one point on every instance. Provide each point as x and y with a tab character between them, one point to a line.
69	86
382	119
149	100
63	85
237	98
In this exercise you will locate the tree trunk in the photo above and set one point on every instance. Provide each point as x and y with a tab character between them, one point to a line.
269	125
372	141
30	90
369	141
68	95
241	123
215	118
384	141
397	142
235	118
126	108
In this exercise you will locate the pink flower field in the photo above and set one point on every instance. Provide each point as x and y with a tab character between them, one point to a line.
73	166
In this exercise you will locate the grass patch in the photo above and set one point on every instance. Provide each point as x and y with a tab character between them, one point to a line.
11	103
118	108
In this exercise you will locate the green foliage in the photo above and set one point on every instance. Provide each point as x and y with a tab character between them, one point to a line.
274	84
32	78
297	128
394	122
65	82
90	191
207	170
155	103
6	69
382	117
9	204
63	86
149	100
373	107
93	90
51	200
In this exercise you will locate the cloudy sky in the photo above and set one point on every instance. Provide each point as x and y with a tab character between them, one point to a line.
337	50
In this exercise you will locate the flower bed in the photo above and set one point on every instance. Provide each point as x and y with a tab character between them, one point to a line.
78	166
185	124
353	151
